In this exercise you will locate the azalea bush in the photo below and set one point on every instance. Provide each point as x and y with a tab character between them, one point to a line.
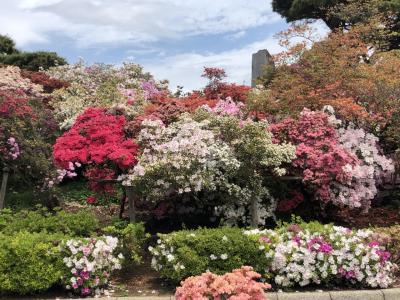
27	129
97	143
240	284
342	164
303	254
209	152
291	255
89	263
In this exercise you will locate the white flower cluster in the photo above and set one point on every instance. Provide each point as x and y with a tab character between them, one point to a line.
98	85
181	158
165	254
303	257
91	261
238	211
163	251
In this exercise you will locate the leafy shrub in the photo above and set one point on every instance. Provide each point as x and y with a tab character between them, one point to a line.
80	223
29	262
240	284
131	236
191	252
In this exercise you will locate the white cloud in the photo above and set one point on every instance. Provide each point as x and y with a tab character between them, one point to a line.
93	22
236	35
185	69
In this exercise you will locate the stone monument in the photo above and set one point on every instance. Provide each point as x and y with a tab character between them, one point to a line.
259	61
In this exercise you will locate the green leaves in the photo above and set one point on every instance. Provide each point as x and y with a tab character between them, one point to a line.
29	262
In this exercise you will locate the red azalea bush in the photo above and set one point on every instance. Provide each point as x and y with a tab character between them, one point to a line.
319	155
240	284
96	138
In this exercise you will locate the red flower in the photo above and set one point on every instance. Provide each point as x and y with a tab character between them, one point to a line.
96	138
91	200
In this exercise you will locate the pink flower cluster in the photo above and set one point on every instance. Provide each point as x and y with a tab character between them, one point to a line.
319	245
227	107
149	89
240	284
14	151
319	155
90	263
343	164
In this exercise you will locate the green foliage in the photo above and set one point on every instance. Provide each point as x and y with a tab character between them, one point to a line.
195	250
7	45
81	223
294	10
29	262
33	61
73	191
131	236
346	13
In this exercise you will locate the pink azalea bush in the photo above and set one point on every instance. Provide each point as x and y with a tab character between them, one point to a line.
240	284
342	164
89	264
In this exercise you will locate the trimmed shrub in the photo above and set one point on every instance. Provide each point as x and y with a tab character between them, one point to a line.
181	254
82	223
29	262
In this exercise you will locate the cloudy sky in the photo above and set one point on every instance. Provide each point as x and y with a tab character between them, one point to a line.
173	39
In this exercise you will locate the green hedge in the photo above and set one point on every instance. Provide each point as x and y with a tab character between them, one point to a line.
29	262
232	250
82	223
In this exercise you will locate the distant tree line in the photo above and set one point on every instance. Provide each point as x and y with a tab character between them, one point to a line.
33	61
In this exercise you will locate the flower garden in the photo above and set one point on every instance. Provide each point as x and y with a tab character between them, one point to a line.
226	192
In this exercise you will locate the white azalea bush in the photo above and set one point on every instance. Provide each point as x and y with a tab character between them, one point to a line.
89	263
291	255
223	157
182	158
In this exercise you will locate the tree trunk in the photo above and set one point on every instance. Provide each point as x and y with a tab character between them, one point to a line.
122	203
131	201
254	212
3	189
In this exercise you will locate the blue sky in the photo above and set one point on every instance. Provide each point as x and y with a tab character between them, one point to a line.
172	39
